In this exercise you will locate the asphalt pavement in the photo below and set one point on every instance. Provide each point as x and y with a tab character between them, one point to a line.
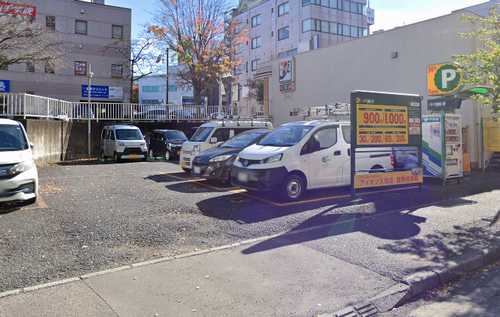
99	216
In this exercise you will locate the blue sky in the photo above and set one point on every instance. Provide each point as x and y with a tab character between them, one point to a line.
388	13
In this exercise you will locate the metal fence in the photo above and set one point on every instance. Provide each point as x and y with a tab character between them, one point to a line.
32	106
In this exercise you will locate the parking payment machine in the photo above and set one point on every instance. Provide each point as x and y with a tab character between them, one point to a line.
442	146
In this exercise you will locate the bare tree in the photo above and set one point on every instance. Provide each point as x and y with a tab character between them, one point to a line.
22	41
202	38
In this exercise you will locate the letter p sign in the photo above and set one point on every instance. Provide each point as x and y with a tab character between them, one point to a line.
447	77
443	79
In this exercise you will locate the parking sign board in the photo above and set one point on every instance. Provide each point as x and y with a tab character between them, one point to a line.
443	79
384	125
4	86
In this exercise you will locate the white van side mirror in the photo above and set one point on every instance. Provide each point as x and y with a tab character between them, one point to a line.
32	146
213	140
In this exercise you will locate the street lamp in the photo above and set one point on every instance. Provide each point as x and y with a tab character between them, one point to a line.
158	60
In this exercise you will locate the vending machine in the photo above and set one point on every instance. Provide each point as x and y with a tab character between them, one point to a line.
442	146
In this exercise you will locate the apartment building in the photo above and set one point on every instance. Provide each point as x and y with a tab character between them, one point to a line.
90	33
280	29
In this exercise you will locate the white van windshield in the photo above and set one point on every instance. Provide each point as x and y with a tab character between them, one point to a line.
201	134
12	138
286	136
128	135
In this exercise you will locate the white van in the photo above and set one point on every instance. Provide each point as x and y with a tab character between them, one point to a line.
213	133
122	142
18	172
304	155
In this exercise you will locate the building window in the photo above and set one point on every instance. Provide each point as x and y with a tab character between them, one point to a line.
4	67
116	71
255	64
325	27
50	23
308	25
283	33
256	20
172	88
150	88
80	68
49	68
81	27
117	32
283	9
344	5
256	42
30	67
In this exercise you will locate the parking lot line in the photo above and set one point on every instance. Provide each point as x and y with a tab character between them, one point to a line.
320	199
199	182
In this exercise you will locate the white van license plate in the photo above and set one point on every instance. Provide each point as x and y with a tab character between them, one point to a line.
243	177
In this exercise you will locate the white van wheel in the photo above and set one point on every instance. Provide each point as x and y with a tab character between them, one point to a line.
294	187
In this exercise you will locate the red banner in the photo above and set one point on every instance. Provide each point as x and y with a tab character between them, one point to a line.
18	9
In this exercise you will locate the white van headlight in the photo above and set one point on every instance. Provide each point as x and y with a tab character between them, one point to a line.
274	158
121	144
20	168
221	158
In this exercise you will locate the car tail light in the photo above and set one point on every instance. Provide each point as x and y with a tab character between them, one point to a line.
393	160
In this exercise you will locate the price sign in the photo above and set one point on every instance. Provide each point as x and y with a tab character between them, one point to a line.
386	125
382	125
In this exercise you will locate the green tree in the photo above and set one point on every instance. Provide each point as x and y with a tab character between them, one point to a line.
203	37
482	67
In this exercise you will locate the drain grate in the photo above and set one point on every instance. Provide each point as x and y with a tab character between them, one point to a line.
363	310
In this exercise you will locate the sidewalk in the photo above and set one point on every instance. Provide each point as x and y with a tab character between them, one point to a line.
301	273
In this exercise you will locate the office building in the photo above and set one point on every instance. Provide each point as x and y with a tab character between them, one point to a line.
90	33
280	29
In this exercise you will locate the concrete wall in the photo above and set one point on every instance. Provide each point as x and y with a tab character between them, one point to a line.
327	76
56	141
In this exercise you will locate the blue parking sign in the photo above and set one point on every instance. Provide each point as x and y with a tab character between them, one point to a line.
4	85
96	91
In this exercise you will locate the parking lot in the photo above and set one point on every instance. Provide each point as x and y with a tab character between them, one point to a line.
93	216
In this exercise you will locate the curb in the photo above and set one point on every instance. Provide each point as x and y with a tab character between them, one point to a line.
424	281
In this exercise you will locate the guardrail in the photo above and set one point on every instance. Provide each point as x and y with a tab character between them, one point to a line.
32	106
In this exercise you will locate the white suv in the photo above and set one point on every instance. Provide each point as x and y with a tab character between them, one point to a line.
18	172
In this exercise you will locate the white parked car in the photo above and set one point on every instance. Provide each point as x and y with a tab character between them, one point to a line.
18	172
304	155
212	134
123	142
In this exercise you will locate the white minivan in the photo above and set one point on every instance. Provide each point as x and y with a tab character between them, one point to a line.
18	172
304	155
212	134
122	142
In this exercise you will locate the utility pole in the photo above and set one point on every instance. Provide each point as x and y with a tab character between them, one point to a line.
166	75
90	74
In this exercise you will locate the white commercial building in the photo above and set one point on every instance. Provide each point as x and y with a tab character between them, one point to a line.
279	29
396	61
152	89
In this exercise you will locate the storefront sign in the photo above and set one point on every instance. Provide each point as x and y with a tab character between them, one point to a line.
382	125
116	93
286	71
4	86
443	79
17	9
363	181
96	92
